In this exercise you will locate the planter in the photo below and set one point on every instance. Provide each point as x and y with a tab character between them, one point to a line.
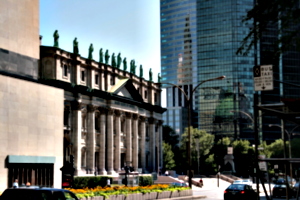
98	198
164	195
184	193
174	194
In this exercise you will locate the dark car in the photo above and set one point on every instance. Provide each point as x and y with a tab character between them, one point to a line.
37	193
239	191
279	190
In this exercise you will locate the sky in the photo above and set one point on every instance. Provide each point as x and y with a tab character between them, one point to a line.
129	27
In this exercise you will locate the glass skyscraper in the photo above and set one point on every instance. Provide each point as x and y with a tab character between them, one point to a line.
199	41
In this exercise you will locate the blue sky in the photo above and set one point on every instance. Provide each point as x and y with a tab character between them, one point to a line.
129	27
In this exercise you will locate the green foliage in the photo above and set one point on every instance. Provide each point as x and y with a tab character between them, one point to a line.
145	180
276	148
206	141
168	156
90	181
201	142
170	136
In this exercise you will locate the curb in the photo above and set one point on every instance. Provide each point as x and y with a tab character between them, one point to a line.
187	197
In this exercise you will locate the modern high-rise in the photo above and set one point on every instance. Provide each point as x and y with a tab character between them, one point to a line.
199	41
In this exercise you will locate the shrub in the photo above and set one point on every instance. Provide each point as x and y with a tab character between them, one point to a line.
145	180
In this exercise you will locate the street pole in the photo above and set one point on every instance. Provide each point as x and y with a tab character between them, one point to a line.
284	140
188	98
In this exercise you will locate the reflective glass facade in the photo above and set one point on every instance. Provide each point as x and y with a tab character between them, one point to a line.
219	34
178	58
199	40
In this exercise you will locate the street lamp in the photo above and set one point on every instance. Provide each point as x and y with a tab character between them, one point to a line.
247	114
289	138
188	98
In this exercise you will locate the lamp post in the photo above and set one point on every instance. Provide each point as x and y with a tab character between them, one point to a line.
289	139
188	97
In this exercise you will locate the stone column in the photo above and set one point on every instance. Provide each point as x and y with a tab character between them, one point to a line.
110	141
135	146
143	143
76	135
159	144
117	140
102	139
128	138
90	140
152	141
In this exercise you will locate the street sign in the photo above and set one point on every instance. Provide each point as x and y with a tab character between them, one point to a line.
263	77
262	164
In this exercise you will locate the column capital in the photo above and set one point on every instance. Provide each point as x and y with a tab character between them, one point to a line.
110	111
160	122
135	116
118	113
91	108
102	109
152	120
128	115
75	105
142	118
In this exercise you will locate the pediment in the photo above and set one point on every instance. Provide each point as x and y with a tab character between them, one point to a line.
125	88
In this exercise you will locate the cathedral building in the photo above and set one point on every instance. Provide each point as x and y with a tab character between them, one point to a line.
59	110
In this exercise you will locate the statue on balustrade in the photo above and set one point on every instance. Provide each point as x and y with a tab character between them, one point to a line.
106	57
101	56
119	60
124	64
91	49
56	36
75	46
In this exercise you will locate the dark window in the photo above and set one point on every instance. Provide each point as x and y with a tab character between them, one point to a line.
82	75
65	70
97	79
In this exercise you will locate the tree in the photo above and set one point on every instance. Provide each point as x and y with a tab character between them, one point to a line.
206	142
170	136
168	156
271	13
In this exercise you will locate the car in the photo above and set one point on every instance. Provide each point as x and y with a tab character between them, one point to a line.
239	191
279	190
37	193
177	184
243	181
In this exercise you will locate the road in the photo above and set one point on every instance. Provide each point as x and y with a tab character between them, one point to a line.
211	190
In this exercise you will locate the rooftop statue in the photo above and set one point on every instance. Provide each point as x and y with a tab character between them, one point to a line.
141	71
124	64
56	36
132	66
119	60
91	49
150	74
101	56
106	57
113	60
158	78
75	46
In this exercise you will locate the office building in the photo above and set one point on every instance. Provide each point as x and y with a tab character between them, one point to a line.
199	41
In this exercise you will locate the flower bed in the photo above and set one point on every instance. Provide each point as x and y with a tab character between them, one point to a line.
159	191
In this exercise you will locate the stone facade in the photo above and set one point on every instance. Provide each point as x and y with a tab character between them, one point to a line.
112	117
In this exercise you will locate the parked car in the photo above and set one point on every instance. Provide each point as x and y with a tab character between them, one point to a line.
37	193
243	181
179	184
279	190
239	191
